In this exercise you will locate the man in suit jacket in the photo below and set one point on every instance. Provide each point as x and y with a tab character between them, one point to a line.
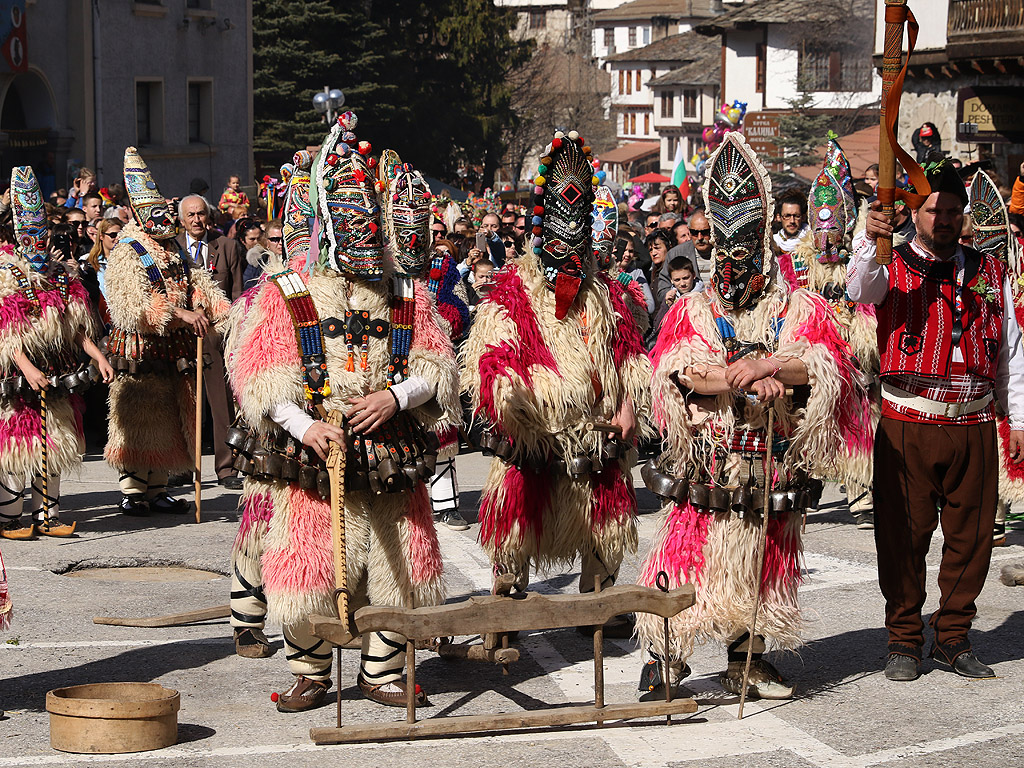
224	259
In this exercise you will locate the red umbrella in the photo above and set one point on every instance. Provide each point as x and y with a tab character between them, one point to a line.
649	178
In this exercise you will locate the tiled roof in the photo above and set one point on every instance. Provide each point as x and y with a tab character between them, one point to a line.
707	70
644	10
790	12
682	48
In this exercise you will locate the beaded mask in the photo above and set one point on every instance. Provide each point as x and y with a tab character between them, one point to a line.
30	230
739	206
406	210
156	217
298	213
347	229
604	227
832	207
988	215
562	217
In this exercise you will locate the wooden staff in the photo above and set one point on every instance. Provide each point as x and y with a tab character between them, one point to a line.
759	573
199	425
46	473
897	15
336	460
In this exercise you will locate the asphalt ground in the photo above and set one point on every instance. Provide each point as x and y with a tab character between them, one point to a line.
845	714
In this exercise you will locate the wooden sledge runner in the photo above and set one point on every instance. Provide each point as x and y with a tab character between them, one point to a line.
497	614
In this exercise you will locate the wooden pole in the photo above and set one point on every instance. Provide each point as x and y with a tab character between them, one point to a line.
199	426
763	545
336	460
598	657
46	472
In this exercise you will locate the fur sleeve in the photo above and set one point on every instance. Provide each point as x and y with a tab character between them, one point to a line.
262	358
132	302
432	358
207	294
631	360
15	318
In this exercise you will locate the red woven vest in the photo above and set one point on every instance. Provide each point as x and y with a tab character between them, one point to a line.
915	322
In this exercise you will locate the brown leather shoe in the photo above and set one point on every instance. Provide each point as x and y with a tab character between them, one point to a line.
56	529
251	643
305	694
391	698
15	531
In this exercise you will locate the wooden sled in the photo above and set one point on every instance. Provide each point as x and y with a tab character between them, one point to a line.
494	615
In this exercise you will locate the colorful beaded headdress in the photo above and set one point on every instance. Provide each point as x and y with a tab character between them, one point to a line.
564	197
832	207
151	210
348	225
738	194
406	203
298	213
30	229
988	215
604	227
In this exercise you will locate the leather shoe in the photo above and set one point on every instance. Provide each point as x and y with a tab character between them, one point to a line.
133	504
902	669
391	694
965	664
305	694
56	529
251	643
15	531
164	502
231	483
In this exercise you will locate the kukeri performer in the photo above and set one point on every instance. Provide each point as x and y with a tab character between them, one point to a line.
992	235
603	233
45	323
950	348
158	304
724	356
340	330
552	349
824	250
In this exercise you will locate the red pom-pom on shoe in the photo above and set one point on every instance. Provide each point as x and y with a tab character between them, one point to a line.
418	689
275	696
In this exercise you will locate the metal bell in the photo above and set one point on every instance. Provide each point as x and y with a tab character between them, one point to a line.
307	477
720	499
700	495
580	465
323	485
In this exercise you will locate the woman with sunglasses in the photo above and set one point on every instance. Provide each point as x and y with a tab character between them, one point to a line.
511	241
260	249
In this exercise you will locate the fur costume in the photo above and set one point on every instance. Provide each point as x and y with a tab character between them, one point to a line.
43	310
719	441
152	414
283	562
537	379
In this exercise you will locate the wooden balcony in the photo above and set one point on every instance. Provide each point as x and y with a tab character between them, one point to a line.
985	28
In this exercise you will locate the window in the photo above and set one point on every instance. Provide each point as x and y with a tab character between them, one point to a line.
824	70
609	37
667	104
647	35
762	64
622	81
538	19
201	5
689	103
149	112
629	82
200	112
647	123
632	37
638	81
632	123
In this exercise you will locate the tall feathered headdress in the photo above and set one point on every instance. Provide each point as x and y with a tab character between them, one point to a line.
347	229
738	195
30	228
832	206
564	196
151	210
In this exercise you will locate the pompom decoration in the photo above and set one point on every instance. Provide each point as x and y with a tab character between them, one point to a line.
545	161
348	120
586	150
556	143
538	210
595	181
538	220
275	696
344	149
332	159
364	147
573	135
538	190
558	135
348	136
371	163
538	241
435	274
539	181
542	169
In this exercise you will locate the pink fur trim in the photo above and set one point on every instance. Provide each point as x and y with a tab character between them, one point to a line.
627	342
307	565
428	334
258	509
156	316
676	327
271	343
521	499
424	552
681	551
15	313
781	557
788	272
23	428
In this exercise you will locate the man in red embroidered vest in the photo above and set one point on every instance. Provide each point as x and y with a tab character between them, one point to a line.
950	347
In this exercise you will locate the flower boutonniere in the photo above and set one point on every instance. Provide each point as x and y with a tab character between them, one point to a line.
985	290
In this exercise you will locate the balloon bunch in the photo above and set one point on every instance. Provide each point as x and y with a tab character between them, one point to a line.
636	197
729	118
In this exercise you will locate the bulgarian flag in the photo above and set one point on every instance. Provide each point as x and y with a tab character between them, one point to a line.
679	174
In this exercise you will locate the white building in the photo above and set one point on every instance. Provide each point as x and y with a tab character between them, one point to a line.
637	24
967	78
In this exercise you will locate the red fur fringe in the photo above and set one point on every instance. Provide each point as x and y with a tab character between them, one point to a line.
788	273
424	553
613	499
684	534
258	509
428	334
521	498
627	342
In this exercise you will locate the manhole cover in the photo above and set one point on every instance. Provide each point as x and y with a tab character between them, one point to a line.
145	573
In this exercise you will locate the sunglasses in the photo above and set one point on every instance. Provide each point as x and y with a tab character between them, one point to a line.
508	243
651	225
78	224
701	232
275	239
111	235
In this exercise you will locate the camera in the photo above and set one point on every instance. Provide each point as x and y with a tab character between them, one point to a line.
62	242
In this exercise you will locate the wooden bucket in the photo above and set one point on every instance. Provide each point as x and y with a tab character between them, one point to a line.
108	718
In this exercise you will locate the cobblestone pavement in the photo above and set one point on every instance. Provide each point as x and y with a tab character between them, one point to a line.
845	714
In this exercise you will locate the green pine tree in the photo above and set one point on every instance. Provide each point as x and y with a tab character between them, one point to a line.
800	133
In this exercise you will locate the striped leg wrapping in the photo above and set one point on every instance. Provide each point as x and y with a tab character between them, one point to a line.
157	484
444	488
134	482
307	654
11	492
48	506
248	603
383	658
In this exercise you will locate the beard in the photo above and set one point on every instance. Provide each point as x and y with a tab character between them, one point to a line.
938	241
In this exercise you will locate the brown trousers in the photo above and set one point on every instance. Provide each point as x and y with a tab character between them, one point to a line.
218	395
927	474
